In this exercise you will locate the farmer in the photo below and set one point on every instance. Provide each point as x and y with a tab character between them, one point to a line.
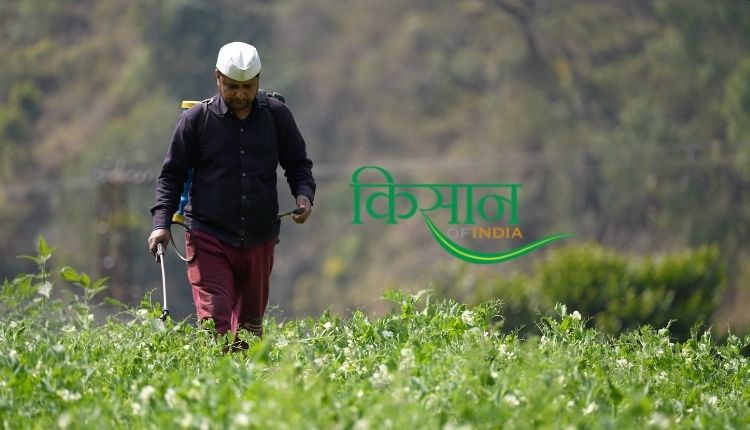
233	208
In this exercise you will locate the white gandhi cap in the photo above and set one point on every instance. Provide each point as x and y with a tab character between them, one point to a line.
238	61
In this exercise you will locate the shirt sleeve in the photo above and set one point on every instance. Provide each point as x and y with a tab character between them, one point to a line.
174	169
292	152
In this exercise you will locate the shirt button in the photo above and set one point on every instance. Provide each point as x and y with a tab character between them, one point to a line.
242	151
242	130
244	174
244	197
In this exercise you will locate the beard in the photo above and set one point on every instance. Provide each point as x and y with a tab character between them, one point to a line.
236	105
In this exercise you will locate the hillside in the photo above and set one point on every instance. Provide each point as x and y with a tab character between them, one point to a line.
626	123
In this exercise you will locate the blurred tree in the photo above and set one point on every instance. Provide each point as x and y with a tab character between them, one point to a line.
626	122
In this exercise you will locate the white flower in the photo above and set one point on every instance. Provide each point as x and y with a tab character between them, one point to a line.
386	334
346	367
143	313
45	288
187	420
468	317
452	426
350	352
503	349
380	378
576	315
63	421
511	400
13	355
362	424
407	358
58	348
146	393
170	397
282	342
327	325
623	363
711	400
659	420
68	328
205	424
68	396
591	407
241	419
543	341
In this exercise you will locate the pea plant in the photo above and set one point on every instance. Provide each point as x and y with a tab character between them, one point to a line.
428	363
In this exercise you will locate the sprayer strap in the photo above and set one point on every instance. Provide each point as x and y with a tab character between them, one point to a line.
204	118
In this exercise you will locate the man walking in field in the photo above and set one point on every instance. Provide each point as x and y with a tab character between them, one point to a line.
234	150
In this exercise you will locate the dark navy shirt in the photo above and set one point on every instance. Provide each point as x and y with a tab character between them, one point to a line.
233	194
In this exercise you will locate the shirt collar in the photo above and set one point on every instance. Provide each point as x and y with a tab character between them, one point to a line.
220	105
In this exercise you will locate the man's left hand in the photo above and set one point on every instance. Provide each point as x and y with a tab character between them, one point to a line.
304	203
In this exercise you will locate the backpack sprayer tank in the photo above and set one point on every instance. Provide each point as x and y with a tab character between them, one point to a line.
179	216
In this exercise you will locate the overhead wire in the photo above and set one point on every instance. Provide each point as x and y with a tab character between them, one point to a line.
579	160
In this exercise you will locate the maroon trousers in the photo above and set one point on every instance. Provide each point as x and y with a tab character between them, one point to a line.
230	285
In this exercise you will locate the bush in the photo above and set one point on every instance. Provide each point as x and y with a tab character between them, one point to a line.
619	292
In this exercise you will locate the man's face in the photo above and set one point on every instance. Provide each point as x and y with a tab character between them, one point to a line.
238	95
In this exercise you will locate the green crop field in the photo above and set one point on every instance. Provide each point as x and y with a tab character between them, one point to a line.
429	363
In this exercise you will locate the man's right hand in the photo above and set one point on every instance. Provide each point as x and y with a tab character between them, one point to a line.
160	235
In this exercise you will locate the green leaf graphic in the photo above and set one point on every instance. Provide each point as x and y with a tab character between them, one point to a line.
477	257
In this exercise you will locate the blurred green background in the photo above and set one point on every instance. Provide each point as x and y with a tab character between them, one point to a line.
626	122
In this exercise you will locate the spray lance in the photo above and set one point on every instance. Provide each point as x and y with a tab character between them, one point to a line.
177	218
160	259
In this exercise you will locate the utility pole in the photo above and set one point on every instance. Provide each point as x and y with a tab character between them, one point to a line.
113	233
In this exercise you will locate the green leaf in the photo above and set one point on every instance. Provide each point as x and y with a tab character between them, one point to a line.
70	274
22	285
615	395
114	302
99	284
43	249
36	260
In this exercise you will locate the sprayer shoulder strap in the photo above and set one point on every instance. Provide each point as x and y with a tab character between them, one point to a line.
203	118
262	97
